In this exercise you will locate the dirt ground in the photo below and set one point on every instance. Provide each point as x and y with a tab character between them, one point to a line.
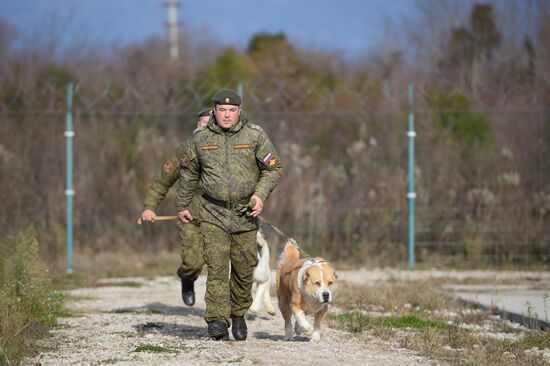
109	323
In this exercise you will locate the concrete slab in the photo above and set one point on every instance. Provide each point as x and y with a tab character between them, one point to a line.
521	296
519	303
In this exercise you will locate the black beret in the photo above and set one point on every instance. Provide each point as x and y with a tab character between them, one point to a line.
227	96
204	112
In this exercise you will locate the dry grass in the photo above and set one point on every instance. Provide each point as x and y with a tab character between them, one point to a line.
460	346
396	297
29	303
420	317
90	267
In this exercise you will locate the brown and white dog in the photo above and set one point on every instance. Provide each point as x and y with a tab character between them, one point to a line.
262	278
304	287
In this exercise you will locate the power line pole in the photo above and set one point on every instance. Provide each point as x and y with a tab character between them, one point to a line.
173	25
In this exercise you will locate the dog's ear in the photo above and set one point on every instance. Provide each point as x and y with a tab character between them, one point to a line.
335	275
306	277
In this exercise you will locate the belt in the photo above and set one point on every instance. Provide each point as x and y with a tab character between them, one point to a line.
240	205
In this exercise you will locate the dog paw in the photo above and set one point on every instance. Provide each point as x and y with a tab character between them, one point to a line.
271	311
307	330
315	336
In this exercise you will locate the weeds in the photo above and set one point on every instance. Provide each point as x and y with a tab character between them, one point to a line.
465	347
412	321
29	305
396	297
356	322
418	317
70	281
537	338
153	348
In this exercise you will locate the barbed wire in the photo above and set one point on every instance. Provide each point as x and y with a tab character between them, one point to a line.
177	97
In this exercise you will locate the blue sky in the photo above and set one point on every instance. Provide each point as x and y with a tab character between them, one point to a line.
351	26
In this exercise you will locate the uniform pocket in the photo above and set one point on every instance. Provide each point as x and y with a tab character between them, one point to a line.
245	255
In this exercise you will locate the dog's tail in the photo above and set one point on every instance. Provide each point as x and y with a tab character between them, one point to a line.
291	250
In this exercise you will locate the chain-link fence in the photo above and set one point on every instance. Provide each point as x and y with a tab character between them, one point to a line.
481	200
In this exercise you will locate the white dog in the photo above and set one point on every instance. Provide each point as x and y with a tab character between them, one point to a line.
262	278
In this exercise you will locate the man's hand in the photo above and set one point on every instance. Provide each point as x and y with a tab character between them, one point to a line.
148	215
258	206
185	216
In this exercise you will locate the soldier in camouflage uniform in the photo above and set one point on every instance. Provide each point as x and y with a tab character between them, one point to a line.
233	161
192	258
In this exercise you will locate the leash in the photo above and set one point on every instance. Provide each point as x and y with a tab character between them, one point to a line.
277	230
280	232
288	238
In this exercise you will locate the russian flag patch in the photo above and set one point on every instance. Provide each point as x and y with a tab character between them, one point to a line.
269	160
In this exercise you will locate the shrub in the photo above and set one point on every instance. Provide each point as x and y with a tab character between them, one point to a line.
455	119
29	305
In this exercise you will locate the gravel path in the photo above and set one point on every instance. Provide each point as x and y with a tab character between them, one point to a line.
112	320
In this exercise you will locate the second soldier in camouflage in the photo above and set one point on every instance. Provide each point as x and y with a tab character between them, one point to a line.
192	258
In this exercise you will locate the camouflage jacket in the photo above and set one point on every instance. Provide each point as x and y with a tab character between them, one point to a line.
229	166
164	180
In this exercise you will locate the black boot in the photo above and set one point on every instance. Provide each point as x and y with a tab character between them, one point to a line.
218	331
238	328
188	292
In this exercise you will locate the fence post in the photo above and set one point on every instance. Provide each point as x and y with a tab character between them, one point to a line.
69	192
240	91
411	195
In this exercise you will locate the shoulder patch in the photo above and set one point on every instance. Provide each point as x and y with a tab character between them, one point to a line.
184	160
168	166
269	160
197	130
256	127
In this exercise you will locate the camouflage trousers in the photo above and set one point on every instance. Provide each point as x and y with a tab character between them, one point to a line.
192	257
230	259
